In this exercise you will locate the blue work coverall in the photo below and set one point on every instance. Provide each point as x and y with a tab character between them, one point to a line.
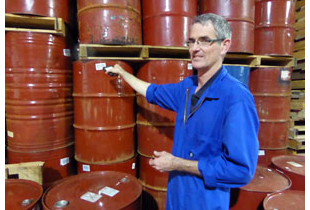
221	133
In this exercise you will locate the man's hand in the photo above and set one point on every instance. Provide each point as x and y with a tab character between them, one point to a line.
163	161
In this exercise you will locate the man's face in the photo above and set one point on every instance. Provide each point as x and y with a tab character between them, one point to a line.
204	55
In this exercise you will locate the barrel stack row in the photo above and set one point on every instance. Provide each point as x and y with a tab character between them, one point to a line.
38	94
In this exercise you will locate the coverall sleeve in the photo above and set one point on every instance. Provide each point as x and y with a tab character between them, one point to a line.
166	96
236	165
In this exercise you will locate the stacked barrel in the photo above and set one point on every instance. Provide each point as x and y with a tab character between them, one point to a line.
240	16
167	23
104	106
155	128
38	102
104	118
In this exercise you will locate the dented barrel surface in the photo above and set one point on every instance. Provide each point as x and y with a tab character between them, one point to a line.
49	8
272	93
96	190
274	27
167	23
22	194
104	113
240	16
109	22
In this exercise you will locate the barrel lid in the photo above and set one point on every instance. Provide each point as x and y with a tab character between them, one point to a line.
292	163
104	190
21	194
286	200
268	180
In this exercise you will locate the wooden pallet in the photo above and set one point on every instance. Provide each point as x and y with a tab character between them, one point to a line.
296	152
30	171
147	52
52	25
296	144
297	132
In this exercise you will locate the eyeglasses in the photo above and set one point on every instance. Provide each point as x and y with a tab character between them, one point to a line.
202	41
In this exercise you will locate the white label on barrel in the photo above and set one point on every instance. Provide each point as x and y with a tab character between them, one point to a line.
86	167
294	164
189	66
10	134
108	191
67	52
285	75
261	152
99	66
91	197
133	166
64	161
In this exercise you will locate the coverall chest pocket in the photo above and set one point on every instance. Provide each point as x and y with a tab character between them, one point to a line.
203	146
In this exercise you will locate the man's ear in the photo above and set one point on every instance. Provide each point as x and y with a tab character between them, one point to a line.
225	46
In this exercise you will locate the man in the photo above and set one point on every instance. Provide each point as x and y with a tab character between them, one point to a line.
215	141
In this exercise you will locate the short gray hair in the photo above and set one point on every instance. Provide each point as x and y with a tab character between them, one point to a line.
221	26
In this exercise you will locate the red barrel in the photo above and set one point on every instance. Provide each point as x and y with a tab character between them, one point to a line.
272	93
103	114
286	200
48	8
41	52
96	190
59	163
240	16
153	199
294	167
265	156
127	166
274	27
265	181
110	21
155	124
22	194
166	22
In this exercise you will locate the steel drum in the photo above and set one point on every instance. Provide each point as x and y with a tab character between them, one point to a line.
287	200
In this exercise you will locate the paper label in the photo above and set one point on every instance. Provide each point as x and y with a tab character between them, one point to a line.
133	166
189	66
64	161
108	191
295	164
285	75
261	152
67	52
10	134
91	197
99	66
86	167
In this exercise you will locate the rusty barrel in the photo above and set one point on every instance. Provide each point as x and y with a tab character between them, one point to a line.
109	22
265	181
59	162
240	16
274	27
103	114
167	23
22	194
49	8
287	200
127	166
272	93
294	167
241	73
96	191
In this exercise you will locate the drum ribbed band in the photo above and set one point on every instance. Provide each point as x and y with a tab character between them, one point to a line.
105	6
272	94
118	127
155	123
85	95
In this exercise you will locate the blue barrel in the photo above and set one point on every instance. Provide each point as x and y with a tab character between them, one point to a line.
241	73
